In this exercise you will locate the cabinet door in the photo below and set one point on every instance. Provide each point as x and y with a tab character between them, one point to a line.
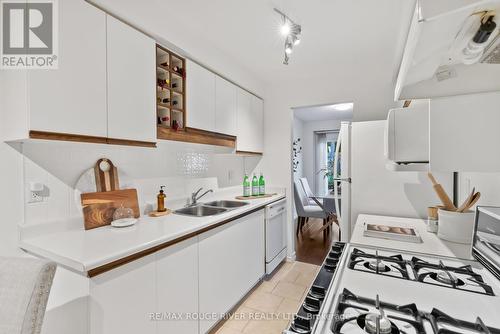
231	263
131	83
177	281
244	120
72	98
226	104
257	117
122	300
200	97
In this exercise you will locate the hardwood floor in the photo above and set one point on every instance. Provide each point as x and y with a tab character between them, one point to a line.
310	246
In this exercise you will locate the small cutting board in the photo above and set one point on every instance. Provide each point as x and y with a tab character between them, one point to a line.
98	207
106	175
255	197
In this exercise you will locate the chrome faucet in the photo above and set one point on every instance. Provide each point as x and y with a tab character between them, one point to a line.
195	197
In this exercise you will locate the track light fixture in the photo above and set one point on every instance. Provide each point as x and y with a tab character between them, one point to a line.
291	31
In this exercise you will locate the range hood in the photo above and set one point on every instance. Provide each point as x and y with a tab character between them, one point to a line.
452	48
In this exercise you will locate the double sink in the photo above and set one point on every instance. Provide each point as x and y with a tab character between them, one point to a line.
210	208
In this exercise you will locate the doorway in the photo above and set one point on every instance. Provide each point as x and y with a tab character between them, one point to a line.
315	133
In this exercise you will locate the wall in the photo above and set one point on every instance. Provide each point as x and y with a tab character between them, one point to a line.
59	165
376	190
486	183
298	133
310	165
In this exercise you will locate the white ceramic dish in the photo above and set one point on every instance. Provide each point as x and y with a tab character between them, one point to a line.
124	222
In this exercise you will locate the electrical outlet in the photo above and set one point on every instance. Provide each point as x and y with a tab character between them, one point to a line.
35	197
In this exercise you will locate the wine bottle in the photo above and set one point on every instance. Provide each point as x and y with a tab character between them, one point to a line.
175	102
166	100
174	84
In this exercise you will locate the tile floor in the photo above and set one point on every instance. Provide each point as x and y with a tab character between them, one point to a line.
268	309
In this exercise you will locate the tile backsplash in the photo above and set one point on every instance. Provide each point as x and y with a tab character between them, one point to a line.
181	167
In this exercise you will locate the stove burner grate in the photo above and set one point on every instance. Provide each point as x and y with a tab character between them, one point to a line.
444	324
376	322
446	276
394	266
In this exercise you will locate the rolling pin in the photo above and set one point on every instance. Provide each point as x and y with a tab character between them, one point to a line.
448	204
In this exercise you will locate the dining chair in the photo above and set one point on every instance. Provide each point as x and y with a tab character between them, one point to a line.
306	210
25	285
308	191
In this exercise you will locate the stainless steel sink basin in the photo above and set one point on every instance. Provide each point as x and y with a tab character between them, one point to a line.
200	211
227	204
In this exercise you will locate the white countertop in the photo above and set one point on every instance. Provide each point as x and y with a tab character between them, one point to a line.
431	244
82	250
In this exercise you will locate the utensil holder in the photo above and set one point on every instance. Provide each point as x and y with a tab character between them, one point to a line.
456	226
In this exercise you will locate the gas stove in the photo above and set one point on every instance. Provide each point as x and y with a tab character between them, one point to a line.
456	276
383	291
362	289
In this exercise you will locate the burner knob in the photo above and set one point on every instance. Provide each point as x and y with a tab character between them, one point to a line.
311	305
334	255
317	292
301	325
330	264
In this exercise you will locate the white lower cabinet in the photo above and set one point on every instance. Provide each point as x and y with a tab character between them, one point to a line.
180	288
231	262
177	287
122	300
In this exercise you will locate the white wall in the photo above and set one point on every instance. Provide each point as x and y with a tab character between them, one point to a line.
486	183
376	190
298	133
310	165
59	165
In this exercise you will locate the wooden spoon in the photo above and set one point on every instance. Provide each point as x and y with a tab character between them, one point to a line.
473	201
467	201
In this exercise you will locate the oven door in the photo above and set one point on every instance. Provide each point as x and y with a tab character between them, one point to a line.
486	242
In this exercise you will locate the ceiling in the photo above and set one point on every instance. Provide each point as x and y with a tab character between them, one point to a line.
325	112
351	49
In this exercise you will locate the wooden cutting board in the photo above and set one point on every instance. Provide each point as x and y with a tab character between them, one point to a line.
106	175
98	207
255	197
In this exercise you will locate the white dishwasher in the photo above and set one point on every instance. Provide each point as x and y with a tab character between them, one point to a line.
275	234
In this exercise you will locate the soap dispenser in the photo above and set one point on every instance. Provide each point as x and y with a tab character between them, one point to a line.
161	200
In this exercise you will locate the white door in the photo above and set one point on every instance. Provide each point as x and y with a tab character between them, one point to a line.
122	300
231	263
131	59
177	281
226	104
200	97
72	98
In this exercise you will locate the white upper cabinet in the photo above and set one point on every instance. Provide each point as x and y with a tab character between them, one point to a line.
226	104
250	123
200	97
131	63
72	98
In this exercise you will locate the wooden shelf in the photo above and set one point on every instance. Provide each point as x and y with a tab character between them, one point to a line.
44	135
191	135
177	112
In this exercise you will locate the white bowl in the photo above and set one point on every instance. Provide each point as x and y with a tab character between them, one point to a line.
456	226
